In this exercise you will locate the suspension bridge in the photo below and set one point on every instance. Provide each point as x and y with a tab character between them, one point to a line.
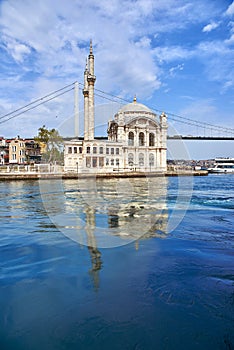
198	130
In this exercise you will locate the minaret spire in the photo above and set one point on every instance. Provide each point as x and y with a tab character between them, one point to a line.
91	47
91	81
86	102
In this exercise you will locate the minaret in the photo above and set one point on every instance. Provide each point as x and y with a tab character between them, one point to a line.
91	81
76	109
86	103
164	126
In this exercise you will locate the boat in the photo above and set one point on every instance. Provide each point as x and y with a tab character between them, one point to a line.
222	166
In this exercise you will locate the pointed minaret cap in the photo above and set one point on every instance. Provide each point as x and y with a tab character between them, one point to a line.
91	47
135	99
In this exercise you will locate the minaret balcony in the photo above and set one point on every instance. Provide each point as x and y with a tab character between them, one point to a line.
91	78
85	93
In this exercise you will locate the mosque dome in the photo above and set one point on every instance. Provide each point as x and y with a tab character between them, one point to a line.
134	107
133	110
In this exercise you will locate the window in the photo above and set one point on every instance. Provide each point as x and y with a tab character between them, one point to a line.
88	149
107	161
69	149
130	159
101	162
131	139
14	156
112	162
141	159
75	149
94	149
151	139
101	150
151	160
117	161
141	139
94	162
88	162
107	150
117	150
112	151
80	149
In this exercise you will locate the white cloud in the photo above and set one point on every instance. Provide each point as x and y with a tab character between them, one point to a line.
230	41
171	53
173	70
209	27
16	49
230	10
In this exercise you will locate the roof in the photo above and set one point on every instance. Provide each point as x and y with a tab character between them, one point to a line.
134	107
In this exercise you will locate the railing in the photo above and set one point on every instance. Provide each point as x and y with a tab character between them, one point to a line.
31	169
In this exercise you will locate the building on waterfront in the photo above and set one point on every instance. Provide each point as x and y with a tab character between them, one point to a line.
4	151
17	151
23	151
33	151
137	137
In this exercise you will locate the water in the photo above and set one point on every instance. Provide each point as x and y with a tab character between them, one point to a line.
117	264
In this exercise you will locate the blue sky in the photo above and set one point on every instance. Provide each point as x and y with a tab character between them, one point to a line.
175	55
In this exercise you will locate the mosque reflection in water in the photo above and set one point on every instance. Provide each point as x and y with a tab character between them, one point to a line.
107	213
127	210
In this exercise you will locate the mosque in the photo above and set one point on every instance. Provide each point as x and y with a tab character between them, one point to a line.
136	140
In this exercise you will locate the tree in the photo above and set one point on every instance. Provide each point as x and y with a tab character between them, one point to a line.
51	144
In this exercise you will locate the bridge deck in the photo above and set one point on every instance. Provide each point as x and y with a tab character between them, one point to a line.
201	138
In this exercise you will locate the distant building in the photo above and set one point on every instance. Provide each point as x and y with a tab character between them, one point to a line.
24	151
4	151
137	137
17	151
32	151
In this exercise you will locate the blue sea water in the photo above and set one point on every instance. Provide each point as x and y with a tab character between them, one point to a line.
117	264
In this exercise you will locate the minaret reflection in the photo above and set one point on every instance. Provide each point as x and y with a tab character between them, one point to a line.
92	246
128	212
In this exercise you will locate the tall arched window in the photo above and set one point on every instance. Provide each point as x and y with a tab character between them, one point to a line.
130	159
151	160
130	138
151	139
141	139
141	159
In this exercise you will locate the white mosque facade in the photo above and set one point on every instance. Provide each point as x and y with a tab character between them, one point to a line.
136	140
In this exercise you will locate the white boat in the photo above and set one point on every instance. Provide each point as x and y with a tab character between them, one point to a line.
222	166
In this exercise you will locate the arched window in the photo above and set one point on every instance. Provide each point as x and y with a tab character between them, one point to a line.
130	138
141	159
151	139
151	160
130	159
141	139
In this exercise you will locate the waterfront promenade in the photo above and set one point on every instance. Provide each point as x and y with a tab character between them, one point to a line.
47	171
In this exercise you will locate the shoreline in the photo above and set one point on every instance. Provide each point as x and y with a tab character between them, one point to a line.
69	176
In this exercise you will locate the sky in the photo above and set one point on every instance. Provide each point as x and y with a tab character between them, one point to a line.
174	55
